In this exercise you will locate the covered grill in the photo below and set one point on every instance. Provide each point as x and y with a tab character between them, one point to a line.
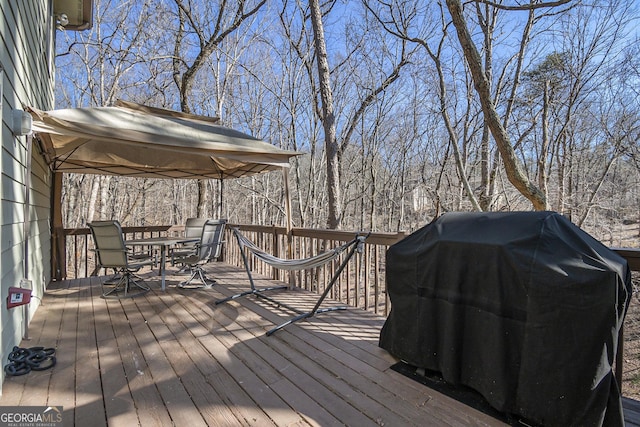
523	307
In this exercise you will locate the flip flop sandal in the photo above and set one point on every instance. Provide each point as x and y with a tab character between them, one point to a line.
49	351
45	363
17	369
19	354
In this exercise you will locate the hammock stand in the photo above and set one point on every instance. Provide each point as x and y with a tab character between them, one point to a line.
356	245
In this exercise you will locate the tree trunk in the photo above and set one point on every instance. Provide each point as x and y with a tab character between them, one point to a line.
328	119
515	171
93	197
202	198
544	150
184	80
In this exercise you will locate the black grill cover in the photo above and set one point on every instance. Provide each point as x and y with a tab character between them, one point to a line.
523	307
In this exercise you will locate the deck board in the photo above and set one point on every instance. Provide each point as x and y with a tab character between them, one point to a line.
89	407
118	402
631	412
304	388
259	392
344	359
145	368
176	358
186	355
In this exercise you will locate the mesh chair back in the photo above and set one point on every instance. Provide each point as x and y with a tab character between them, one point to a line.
110	247
211	239
193	227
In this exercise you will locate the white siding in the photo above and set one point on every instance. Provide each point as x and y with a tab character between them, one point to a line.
27	78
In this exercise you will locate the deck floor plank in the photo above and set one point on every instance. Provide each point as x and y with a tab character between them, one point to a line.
89	404
192	364
176	398
235	371
37	392
276	408
631	412
138	358
118	401
318	377
286	387
62	383
175	358
296	390
407	396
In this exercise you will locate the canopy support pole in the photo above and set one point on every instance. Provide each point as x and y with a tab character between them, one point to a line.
285	178
289	226
221	197
58	250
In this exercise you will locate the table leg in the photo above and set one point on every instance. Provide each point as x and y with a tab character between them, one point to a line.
162	263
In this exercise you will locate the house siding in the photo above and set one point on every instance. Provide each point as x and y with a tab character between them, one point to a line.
26	79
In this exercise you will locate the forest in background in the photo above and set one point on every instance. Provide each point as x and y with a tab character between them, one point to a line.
401	118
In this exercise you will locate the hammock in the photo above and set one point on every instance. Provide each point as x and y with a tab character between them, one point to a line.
291	264
356	245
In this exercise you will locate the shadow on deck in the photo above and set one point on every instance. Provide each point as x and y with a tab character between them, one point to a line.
175	358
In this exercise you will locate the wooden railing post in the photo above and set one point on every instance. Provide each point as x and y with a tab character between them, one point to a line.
275	273
291	274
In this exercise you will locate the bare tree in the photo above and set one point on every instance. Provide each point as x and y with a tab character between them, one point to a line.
210	24
413	135
398	20
513	167
96	68
328	117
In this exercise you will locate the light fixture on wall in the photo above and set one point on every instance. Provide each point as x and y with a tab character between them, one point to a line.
22	123
73	15
62	20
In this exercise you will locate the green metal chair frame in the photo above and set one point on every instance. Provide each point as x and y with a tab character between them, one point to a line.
112	253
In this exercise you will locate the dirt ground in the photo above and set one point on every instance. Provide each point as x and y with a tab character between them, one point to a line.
631	362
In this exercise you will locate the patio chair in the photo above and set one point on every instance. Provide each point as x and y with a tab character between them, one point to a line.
112	253
208	248
192	228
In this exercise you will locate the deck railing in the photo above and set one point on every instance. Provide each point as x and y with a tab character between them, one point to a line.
79	256
361	284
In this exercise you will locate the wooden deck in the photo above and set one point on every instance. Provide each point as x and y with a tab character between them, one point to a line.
175	358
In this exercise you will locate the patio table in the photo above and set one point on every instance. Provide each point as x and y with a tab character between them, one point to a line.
164	243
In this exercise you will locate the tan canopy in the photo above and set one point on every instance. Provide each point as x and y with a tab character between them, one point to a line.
138	141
